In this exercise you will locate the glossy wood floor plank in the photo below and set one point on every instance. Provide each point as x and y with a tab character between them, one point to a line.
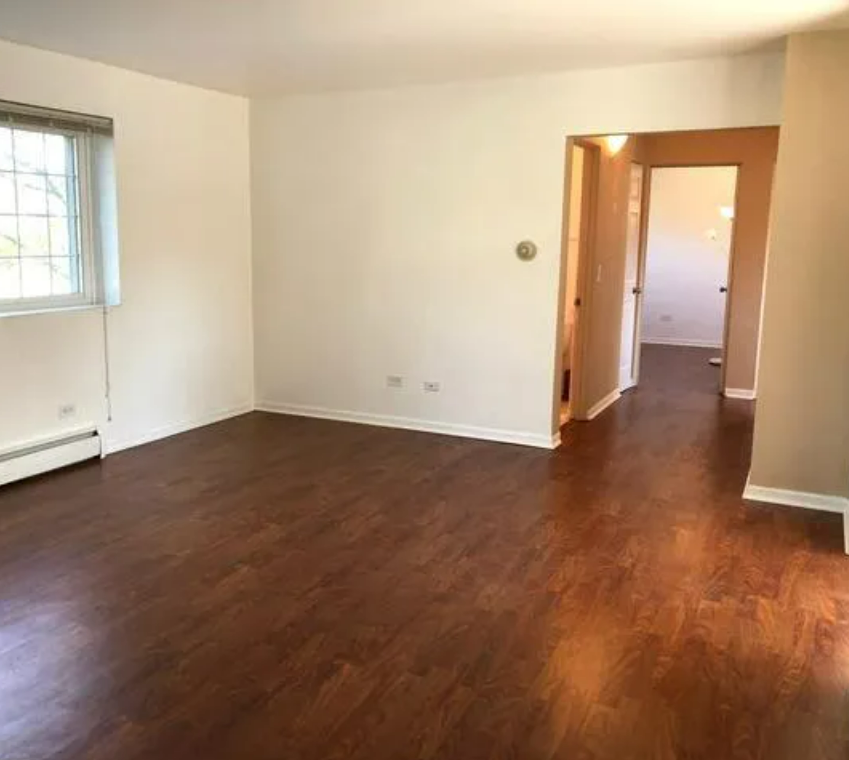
274	587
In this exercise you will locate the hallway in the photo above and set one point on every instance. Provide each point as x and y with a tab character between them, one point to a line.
275	587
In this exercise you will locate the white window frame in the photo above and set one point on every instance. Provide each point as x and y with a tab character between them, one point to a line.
88	295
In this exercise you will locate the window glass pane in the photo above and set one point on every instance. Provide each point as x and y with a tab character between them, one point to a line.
7	193
8	236
56	154
6	149
40	208
34	240
32	194
65	276
10	278
57	196
29	151
35	277
60	236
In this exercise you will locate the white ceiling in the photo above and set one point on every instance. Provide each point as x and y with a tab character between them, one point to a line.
258	47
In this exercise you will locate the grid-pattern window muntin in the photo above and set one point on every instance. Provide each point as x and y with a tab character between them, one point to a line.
40	237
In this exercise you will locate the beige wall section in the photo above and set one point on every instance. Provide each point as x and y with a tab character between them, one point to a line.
604	278
180	345
754	150
409	204
802	422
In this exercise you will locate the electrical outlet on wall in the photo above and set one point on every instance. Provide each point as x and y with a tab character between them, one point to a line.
394	381
66	411
431	386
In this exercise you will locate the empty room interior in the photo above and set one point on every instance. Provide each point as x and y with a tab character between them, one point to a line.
393	380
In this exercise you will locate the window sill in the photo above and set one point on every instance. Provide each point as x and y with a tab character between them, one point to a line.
53	310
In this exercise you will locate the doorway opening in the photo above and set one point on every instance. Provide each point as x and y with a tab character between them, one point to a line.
582	166
681	293
664	245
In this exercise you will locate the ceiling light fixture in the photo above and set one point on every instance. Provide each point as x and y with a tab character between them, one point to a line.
615	143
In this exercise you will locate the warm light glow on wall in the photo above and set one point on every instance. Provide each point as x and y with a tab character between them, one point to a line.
615	143
726	212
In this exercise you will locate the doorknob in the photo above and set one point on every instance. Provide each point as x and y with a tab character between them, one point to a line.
636	291
723	289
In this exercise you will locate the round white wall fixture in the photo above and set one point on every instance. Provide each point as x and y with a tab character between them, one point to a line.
526	250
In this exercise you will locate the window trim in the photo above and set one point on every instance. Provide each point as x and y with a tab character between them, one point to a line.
86	239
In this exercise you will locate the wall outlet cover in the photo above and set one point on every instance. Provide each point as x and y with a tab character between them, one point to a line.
67	410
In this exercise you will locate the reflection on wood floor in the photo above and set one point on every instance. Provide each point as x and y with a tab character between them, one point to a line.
275	587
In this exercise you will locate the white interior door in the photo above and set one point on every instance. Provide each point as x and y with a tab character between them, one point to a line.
632	291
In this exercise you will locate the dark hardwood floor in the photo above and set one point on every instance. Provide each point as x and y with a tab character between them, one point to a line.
293	589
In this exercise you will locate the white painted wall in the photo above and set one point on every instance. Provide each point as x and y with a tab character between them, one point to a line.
385	223
181	343
687	255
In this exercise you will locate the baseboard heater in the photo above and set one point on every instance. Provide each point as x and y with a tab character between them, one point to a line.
38	457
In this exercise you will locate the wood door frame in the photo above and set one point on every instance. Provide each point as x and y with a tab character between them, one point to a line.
586	252
732	251
583	291
729	284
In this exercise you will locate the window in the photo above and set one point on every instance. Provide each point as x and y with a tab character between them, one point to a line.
57	226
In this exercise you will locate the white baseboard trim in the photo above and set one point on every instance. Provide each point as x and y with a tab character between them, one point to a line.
741	393
805	500
166	431
682	342
597	408
409	423
845	535
626	383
